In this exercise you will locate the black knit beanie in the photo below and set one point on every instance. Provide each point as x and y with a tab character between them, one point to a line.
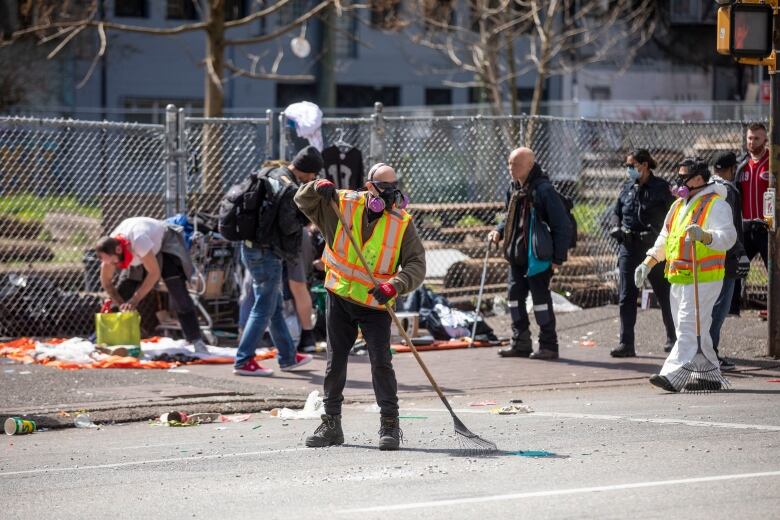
308	160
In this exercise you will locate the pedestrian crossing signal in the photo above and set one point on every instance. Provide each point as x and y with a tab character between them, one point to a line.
745	32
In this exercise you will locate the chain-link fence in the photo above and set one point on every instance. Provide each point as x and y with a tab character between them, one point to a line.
64	183
455	171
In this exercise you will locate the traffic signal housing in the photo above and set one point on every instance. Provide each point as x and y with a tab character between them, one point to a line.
745	32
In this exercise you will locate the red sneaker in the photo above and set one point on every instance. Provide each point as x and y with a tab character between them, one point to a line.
251	368
300	360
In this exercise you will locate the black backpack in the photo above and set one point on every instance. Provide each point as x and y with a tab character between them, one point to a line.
568	203
249	208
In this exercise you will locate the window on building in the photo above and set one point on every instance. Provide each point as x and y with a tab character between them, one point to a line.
182	10
359	96
131	8
384	13
437	12
687	12
438	96
294	9
600	93
235	9
289	93
345	38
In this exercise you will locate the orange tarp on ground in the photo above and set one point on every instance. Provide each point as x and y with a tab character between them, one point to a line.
442	345
22	350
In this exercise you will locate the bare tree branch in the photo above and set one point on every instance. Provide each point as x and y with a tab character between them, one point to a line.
101	52
238	71
282	30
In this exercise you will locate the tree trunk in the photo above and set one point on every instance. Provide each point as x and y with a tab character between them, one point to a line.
536	101
326	82
211	149
215	54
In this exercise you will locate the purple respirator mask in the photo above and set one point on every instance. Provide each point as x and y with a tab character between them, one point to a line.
389	194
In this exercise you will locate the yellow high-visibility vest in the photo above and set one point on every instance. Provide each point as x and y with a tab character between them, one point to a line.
345	274
711	263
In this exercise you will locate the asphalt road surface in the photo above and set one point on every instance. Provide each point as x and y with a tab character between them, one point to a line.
610	452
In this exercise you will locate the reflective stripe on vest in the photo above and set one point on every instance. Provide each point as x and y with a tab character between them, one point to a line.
346	275
711	263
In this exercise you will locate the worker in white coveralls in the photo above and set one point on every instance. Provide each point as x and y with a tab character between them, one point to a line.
699	216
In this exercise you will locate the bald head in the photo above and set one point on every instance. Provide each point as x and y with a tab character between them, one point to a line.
383	173
521	160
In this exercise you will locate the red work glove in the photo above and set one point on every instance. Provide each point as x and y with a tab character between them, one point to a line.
326	189
384	292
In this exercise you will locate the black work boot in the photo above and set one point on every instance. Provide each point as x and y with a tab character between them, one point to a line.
521	346
390	433
623	351
328	433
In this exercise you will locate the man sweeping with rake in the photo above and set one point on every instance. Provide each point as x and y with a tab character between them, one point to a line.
697	232
396	254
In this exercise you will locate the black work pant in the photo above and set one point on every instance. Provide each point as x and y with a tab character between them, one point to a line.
539	287
343	319
755	239
172	273
628	260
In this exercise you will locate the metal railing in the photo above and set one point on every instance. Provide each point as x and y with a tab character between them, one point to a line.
64	183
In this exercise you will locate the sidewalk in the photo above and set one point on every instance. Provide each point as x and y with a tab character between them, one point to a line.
125	395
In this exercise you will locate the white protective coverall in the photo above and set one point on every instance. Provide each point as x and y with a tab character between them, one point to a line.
720	225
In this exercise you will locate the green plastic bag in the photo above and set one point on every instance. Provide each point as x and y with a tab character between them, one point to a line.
118	328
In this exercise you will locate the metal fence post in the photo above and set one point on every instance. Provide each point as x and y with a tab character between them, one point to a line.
171	161
282	136
181	152
269	134
377	146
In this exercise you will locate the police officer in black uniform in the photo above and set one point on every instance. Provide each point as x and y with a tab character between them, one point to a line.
636	221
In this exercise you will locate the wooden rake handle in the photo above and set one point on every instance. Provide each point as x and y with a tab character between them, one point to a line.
695	264
389	309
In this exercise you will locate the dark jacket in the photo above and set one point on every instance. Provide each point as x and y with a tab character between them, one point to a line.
641	209
285	239
549	208
734	198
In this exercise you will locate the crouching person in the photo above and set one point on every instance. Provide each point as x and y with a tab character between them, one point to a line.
145	250
396	256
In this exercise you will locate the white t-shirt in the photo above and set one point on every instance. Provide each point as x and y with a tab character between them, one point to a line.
145	236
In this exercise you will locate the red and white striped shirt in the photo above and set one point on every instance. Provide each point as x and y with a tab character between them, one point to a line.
753	182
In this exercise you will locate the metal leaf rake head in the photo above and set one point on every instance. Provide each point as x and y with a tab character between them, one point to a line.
471	442
699	376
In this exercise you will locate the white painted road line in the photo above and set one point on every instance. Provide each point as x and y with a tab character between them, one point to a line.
557	492
150	461
686	422
602	417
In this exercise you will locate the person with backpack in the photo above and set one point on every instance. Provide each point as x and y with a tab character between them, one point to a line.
636	221
268	196
395	253
535	210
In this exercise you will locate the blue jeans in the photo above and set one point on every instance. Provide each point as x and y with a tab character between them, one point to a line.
721	310
266	270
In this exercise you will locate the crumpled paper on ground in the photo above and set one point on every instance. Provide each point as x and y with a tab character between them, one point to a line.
313	409
512	409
